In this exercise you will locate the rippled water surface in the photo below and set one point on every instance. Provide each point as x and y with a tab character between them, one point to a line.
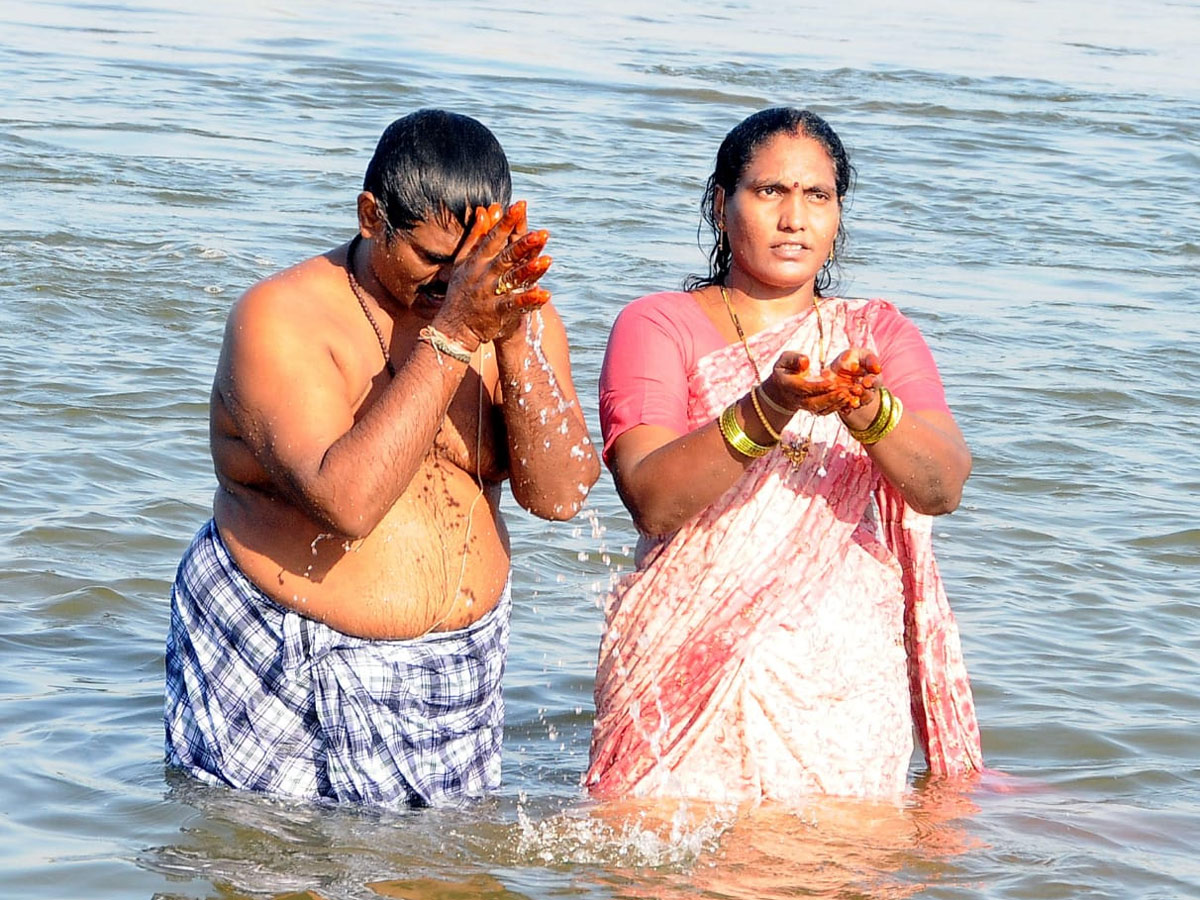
1027	193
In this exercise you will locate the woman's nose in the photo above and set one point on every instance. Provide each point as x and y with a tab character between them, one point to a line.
793	215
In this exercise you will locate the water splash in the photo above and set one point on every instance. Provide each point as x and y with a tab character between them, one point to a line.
318	539
646	837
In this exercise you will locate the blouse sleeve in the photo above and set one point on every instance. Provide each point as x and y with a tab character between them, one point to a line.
644	377
909	370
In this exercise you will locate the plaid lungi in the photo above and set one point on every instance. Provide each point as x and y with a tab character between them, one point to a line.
261	698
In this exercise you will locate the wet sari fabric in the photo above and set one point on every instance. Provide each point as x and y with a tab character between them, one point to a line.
792	637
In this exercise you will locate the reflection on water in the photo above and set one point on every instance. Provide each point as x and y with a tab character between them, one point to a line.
486	887
250	846
825	848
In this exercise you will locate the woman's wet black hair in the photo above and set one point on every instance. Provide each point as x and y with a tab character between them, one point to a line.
733	157
436	164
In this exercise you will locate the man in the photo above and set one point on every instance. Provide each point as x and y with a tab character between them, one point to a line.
339	629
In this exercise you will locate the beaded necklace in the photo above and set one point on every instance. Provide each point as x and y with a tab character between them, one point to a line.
362	301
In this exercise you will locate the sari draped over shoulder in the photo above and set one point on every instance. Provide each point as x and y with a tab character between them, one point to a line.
791	637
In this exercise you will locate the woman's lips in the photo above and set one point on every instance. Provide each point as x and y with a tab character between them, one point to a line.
790	248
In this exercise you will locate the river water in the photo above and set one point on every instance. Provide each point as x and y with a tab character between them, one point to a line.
1027	193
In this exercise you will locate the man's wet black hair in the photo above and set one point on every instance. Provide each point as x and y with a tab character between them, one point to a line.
439	165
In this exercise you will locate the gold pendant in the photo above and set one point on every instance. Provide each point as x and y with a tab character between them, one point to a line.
796	451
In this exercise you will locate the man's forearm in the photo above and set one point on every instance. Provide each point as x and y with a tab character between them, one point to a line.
552	461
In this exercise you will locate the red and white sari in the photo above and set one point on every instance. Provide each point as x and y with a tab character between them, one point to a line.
790	638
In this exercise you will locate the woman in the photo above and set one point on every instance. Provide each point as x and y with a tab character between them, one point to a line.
781	453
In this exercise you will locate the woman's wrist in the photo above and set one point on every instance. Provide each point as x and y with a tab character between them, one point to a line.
768	393
744	430
861	416
887	416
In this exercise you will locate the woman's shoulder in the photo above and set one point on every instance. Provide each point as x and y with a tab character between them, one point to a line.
878	313
674	313
668	304
664	325
873	305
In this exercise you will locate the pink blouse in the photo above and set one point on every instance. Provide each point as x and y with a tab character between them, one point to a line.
657	339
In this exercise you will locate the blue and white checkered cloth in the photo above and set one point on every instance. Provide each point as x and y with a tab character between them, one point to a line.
261	698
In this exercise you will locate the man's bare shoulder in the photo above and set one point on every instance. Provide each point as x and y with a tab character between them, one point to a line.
312	288
299	319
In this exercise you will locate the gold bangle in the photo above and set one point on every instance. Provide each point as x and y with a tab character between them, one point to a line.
893	418
886	418
779	408
762	417
736	437
870	434
443	344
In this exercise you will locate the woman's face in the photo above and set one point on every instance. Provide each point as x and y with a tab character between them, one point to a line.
782	217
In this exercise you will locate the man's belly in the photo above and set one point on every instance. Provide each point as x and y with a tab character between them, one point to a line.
437	562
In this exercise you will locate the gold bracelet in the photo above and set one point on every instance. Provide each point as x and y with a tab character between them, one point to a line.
886	419
779	408
893	419
762	417
736	437
443	344
874	431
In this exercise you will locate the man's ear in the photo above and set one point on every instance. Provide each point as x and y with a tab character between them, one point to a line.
371	223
